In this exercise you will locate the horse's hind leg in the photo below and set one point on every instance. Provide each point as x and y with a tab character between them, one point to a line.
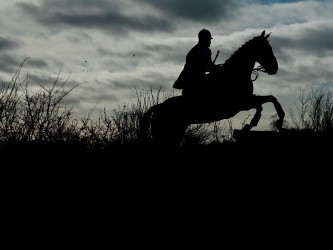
168	133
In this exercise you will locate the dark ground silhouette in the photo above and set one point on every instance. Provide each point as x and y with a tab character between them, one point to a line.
275	185
251	148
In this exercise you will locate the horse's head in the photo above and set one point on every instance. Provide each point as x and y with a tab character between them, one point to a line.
264	55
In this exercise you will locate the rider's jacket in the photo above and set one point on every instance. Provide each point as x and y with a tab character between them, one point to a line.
198	62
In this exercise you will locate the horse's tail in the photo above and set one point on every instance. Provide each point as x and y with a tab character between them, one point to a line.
145	122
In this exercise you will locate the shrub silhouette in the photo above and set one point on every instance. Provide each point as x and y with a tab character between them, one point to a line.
315	112
29	115
41	116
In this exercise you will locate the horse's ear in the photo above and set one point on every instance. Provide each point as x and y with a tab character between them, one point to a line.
268	35
262	33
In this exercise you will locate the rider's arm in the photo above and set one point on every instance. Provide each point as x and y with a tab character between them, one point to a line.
211	66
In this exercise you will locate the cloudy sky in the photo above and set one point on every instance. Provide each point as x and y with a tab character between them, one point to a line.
115	46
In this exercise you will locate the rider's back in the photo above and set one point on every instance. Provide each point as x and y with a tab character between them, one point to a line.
198	62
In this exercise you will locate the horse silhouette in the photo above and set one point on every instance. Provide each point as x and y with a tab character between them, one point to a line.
224	93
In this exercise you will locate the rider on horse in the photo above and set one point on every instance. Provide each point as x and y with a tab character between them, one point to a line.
228	91
198	63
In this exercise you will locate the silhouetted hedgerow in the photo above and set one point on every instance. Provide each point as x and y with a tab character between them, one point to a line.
35	115
315	110
41	117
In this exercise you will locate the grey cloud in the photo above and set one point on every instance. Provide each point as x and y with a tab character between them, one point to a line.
113	16
98	95
304	58
28	8
104	52
312	41
8	64
138	83
199	10
121	61
80	37
6	44
113	66
89	92
72	101
82	4
304	72
150	80
37	80
45	80
158	47
317	40
38	63
73	6
98	14
165	53
125	85
110	21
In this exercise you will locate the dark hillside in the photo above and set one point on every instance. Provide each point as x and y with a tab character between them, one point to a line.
271	181
250	148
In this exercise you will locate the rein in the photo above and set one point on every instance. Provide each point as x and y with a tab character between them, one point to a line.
255	71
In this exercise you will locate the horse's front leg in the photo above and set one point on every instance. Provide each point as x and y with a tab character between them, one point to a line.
260	100
280	112
255	119
257	102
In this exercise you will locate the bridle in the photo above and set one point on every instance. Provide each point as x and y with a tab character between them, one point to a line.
255	71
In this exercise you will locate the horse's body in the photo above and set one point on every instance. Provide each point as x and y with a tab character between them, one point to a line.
226	92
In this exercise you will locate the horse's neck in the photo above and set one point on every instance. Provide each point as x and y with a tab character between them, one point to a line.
242	67
241	63
235	77
238	70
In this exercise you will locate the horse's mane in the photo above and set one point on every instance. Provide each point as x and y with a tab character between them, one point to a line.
240	50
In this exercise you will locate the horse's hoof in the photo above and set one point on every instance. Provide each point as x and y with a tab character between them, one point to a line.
278	124
246	127
283	130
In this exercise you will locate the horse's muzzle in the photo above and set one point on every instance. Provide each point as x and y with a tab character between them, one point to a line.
272	72
273	68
